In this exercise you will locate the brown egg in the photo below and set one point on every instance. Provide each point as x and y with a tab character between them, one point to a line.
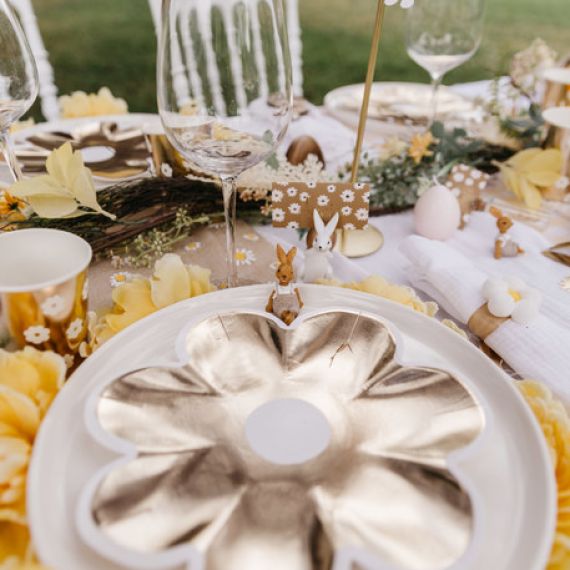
301	148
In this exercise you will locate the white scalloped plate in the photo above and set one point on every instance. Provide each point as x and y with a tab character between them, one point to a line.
508	471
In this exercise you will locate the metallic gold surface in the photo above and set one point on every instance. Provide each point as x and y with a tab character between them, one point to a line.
360	243
383	483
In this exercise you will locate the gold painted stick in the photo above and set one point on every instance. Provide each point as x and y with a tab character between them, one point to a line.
368	88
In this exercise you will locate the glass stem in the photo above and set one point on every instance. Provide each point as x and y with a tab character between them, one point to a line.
230	195
435	83
10	156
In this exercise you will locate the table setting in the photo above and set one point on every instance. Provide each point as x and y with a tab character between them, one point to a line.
249	331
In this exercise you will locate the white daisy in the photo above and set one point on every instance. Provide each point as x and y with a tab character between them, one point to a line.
331	188
359	186
74	329
53	306
251	236
362	214
193	246
293	225
85	291
476	174
366	197
120	278
166	170
304	196
347	196
346	210
278	215
276	195
292	191
36	334
295	208
322	200
348	226
458	177
311	184
511	297
469	182
244	256
69	360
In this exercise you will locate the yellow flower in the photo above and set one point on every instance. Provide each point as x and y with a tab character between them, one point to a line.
391	148
530	172
171	282
29	380
555	423
81	104
66	191
376	285
11	208
419	147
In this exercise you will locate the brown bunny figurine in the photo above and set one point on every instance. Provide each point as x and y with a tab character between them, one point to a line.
285	300
505	246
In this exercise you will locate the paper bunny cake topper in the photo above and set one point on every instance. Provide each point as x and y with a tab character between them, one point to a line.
505	246
320	242
285	300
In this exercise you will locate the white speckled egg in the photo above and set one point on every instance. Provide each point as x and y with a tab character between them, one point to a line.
437	213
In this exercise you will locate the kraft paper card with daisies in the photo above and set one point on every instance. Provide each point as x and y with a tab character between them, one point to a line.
293	204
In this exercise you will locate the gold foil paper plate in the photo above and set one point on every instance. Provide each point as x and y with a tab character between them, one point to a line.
214	437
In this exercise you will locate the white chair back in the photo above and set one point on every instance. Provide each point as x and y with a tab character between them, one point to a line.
185	72
47	88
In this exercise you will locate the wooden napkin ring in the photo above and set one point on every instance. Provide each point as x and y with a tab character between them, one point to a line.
482	323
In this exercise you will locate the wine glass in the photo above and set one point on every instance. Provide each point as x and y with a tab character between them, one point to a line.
442	35
224	89
18	81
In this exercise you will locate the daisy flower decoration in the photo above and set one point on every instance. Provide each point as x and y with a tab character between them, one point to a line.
511	297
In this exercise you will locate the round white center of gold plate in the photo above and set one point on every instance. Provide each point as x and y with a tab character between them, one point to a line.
288	431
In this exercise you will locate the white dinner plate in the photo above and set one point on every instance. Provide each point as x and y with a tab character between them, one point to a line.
509	470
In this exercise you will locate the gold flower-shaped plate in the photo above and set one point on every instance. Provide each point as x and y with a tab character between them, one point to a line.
370	474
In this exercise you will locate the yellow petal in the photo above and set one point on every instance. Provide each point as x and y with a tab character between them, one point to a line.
14	458
170	282
546	160
58	164
14	543
132	302
199	280
20	412
38	186
511	180
53	207
531	194
520	159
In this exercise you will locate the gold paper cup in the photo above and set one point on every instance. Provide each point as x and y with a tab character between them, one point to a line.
44	289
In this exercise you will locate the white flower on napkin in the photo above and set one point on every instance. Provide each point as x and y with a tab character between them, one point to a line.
511	297
405	4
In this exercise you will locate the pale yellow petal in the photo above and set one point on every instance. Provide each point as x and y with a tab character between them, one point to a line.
511	180
170	282
44	185
199	280
53	207
58	164
530	194
520	159
132	302
19	411
546	160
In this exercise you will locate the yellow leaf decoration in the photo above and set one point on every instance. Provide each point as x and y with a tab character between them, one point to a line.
531	172
66	191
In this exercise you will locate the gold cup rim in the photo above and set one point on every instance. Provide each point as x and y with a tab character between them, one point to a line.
11	239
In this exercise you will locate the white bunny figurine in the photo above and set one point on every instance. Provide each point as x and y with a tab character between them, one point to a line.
320	241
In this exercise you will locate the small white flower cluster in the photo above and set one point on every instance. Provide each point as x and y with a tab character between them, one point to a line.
511	297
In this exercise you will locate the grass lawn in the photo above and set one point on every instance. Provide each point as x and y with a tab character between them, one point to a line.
111	42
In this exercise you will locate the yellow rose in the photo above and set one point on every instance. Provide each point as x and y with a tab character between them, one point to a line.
376	285
555	423
29	380
81	104
172	281
66	191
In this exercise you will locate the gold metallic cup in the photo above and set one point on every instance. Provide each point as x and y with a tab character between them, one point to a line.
44	289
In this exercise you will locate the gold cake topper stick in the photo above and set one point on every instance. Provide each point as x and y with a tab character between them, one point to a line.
365	242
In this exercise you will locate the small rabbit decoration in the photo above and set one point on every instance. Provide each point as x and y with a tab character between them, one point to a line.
320	241
285	300
505	245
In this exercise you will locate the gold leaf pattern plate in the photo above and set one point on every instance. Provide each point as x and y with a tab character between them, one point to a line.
414	475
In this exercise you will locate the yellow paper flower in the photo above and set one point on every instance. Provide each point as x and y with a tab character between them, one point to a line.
81	104
66	191
29	380
530	172
171	282
419	146
555	423
11	208
376	285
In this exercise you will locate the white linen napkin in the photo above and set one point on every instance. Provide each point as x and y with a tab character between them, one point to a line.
540	350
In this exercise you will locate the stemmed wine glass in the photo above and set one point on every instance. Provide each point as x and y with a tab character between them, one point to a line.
224	89
442	35
18	81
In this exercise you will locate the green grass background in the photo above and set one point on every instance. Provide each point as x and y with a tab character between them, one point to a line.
111	42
